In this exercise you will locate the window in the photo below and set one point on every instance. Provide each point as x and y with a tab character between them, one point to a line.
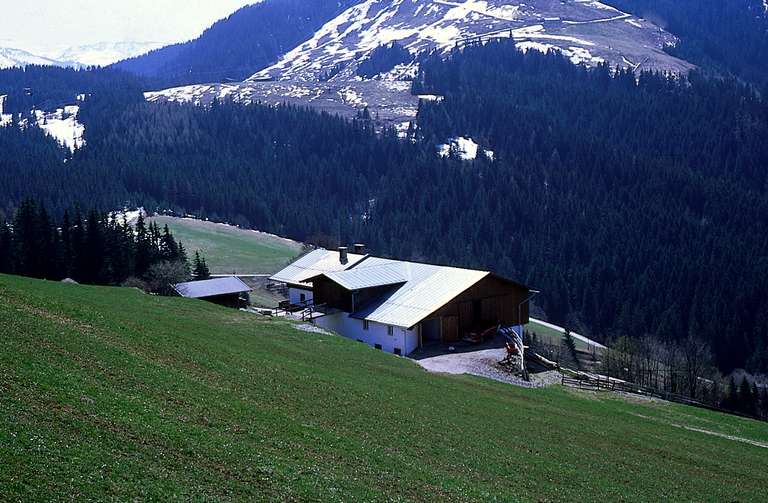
302	298
398	352
365	324
390	330
378	346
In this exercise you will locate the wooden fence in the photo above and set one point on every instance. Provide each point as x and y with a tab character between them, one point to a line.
603	383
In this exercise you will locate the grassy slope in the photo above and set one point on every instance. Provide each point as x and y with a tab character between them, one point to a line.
228	248
111	393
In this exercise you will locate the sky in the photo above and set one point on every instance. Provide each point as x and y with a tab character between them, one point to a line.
48	25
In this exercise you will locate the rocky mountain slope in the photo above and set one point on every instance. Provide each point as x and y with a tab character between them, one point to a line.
322	71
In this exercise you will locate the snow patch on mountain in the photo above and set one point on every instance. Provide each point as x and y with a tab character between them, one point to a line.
321	72
5	119
442	24
465	148
63	126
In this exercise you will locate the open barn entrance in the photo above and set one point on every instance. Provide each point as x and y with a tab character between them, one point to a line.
473	317
430	331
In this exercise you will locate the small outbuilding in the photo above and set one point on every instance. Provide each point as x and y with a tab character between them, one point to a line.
229	291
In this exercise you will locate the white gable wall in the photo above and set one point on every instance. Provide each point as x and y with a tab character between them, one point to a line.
294	295
352	328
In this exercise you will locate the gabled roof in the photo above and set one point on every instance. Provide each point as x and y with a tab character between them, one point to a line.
313	264
416	290
211	287
427	289
369	272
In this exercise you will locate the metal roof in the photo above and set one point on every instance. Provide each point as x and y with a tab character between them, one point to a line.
417	290
211	287
313	264
429	287
369	273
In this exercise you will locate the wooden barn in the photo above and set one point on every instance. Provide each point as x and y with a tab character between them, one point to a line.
399	306
229	291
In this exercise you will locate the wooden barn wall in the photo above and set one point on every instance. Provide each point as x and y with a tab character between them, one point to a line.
499	301
329	293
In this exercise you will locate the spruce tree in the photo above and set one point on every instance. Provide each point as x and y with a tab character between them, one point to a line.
143	258
746	401
200	268
731	399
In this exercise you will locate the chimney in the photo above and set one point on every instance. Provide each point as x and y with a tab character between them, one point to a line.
343	255
358	248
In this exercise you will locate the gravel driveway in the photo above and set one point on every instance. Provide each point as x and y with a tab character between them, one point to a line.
484	363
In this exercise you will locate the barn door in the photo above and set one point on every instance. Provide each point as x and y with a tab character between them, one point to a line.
450	328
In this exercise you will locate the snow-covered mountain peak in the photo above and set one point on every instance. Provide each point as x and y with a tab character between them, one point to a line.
10	58
587	30
104	53
327	71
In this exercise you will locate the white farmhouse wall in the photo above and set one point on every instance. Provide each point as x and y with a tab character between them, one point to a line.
294	295
352	328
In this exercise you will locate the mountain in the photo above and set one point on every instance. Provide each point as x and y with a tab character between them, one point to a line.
322	70
238	46
104	53
587	32
738	47
10	58
101	54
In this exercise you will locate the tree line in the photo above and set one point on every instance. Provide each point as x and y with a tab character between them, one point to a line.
96	248
684	368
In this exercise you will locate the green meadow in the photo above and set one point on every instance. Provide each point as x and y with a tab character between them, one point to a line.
111	394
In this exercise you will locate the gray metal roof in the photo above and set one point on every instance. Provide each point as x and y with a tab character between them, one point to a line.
429	287
211	287
417	290
369	273
313	264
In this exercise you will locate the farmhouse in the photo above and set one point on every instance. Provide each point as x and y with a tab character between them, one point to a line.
399	306
229	291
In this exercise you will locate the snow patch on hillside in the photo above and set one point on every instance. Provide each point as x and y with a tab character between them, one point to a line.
430	97
465	148
5	119
63	126
577	55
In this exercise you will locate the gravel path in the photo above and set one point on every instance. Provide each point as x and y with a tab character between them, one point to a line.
312	329
484	363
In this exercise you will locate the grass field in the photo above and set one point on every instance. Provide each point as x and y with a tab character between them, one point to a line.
110	394
228	249
555	337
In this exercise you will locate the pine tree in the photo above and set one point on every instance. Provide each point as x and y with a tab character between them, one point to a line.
731	399
25	240
6	255
570	345
169	249
200	268
746	400
755	399
143	249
